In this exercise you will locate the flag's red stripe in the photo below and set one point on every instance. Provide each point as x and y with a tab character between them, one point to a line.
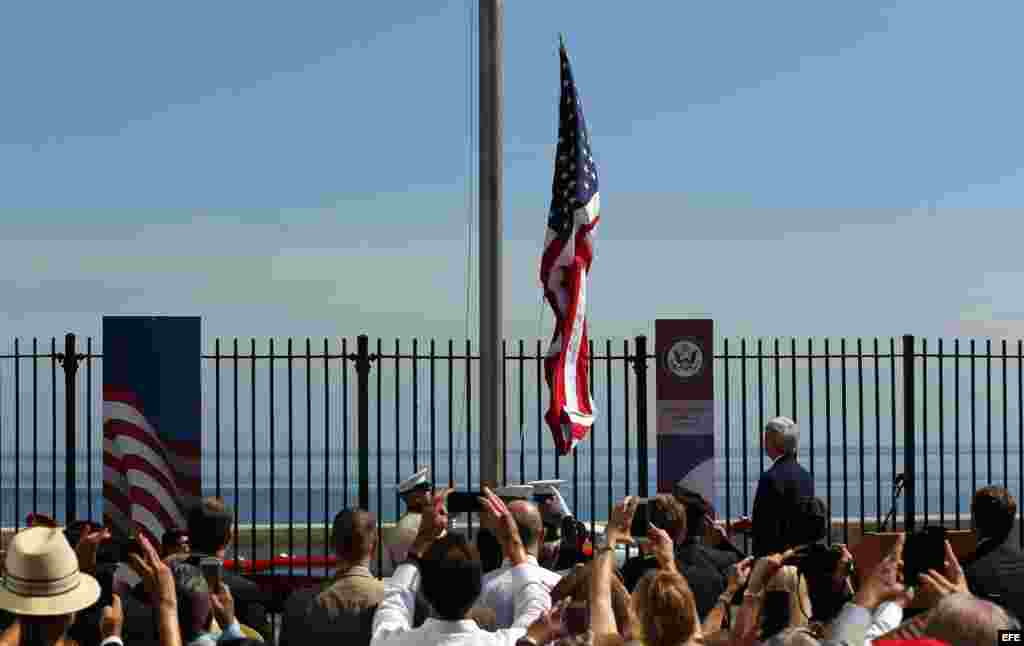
144	499
113	428
136	463
123	396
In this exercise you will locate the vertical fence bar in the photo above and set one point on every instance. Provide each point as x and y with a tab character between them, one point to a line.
792	353
504	411
291	451
810	401
522	412
942	441
88	421
744	428
974	430
70	431
593	439
252	444
641	412
344	419
35	425
398	431
828	430
956	427
53	433
778	380
363	413
846	478
860	410
909	449
760	411
988	409
451	426
17	434
608	426
416	408
625	408
309	456
1006	430
380	463
726	432
271	410
1020	435
433	411
469	425
216	405
892	411
878	440
540	415
327	450
237	504
924	421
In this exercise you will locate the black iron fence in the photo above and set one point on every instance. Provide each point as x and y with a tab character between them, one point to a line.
295	431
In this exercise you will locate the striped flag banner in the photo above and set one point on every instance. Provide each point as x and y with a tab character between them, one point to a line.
564	269
152	423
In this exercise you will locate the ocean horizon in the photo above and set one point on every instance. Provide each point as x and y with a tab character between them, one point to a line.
260	501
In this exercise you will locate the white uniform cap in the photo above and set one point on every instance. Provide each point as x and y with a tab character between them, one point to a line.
546	487
417	481
522	492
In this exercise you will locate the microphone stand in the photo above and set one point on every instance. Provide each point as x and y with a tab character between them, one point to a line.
895	500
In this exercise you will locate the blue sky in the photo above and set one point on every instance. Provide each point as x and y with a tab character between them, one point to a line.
801	168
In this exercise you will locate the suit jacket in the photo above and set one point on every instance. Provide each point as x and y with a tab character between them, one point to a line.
778	491
996	573
343	610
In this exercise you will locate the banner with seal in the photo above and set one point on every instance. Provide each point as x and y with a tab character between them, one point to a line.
685	389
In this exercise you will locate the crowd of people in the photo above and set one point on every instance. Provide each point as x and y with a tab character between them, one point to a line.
689	584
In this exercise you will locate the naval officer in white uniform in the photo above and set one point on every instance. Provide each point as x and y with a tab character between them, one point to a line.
416	492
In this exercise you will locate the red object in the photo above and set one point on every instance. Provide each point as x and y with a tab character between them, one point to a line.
919	642
262	565
564	268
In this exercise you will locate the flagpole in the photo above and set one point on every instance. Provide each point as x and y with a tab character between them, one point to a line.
491	359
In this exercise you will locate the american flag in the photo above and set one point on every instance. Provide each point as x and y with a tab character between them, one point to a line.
564	267
147	482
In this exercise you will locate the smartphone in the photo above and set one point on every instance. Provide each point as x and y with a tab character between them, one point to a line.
641	519
923	551
461	502
212	568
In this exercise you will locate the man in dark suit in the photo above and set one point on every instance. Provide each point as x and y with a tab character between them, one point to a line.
210	528
779	490
996	571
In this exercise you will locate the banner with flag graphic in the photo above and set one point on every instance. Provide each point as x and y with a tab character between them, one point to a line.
152	422
565	267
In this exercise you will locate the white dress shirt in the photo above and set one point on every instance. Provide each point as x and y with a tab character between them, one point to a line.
509	593
392	624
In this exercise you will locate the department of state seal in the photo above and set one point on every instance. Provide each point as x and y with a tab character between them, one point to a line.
684	359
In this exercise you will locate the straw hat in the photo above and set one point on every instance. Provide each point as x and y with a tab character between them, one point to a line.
41	576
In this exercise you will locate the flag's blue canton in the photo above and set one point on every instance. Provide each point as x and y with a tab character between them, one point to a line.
575	181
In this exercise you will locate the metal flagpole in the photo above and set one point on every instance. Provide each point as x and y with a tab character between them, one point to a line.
491	359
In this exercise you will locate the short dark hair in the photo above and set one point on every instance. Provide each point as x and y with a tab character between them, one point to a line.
490	550
994	511
353	534
451	576
209	525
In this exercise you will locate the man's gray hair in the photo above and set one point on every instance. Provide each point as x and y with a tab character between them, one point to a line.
789	431
965	619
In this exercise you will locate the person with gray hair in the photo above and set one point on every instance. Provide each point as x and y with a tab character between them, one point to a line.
966	620
779	490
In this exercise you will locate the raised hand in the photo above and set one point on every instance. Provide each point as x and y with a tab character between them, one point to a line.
885	583
433	524
937	585
739	574
223	605
88	547
621	521
661	546
504	526
155	574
